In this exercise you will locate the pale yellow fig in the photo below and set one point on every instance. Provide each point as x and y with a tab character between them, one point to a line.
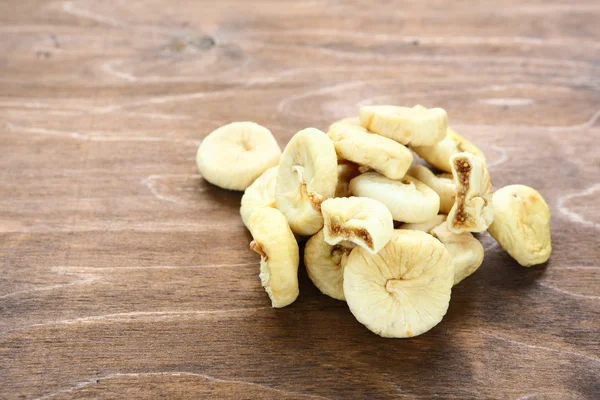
307	176
522	224
439	154
442	184
346	172
275	242
356	144
472	210
360	220
427	225
325	264
260	194
417	126
466	251
409	200
234	155
348	121
402	291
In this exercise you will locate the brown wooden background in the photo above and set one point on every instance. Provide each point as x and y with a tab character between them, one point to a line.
124	274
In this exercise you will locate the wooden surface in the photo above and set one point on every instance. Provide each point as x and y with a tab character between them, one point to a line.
124	274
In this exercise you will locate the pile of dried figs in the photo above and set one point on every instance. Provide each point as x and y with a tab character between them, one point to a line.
389	236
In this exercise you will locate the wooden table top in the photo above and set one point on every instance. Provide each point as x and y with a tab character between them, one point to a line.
125	275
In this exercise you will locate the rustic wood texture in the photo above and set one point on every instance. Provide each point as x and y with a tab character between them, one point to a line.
124	274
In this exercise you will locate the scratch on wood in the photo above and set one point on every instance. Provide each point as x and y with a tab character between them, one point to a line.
151	267
129	316
573	216
566	292
438	40
83	281
97	136
515	342
94	380
149	182
69	8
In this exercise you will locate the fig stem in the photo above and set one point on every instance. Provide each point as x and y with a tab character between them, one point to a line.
256	247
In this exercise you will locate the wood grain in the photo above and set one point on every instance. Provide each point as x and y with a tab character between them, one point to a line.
125	275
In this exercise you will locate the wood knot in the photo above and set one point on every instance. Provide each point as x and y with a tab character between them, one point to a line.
203	42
